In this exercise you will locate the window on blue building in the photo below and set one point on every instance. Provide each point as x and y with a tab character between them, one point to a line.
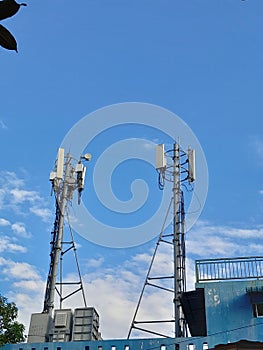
258	310
190	347
126	347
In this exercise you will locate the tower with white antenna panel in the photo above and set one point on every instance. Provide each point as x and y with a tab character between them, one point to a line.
60	324
177	167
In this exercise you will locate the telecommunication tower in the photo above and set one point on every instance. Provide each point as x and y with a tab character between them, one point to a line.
61	324
177	167
65	179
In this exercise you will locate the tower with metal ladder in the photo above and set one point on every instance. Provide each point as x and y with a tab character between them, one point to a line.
177	167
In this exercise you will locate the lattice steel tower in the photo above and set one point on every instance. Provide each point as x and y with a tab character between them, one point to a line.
177	167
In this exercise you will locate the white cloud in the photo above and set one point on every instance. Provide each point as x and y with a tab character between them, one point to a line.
113	295
28	285
20	196
9	179
7	245
26	288
13	191
16	248
4	222
257	248
2	125
243	233
142	257
18	270
20	230
20	200
206	240
95	262
44	213
211	246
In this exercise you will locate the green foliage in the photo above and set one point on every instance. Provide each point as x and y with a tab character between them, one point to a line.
11	331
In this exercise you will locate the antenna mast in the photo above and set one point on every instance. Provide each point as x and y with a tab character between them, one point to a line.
182	165
178	244
65	180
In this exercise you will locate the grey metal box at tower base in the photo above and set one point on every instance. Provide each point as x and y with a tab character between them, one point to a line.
85	324
39	326
61	330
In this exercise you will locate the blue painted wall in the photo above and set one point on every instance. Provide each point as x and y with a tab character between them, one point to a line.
229	313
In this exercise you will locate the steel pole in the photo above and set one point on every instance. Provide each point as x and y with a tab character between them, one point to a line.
176	235
62	202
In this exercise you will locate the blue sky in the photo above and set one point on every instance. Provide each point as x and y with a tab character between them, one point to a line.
200	59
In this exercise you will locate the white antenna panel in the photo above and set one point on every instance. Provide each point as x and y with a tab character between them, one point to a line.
83	176
60	163
79	168
191	161
160	159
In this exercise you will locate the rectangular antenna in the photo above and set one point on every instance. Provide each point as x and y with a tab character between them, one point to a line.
83	177
60	163
191	166
160	159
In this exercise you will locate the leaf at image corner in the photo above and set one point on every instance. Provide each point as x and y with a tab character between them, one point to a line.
7	40
9	8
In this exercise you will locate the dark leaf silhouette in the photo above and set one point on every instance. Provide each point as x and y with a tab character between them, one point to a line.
9	8
7	40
